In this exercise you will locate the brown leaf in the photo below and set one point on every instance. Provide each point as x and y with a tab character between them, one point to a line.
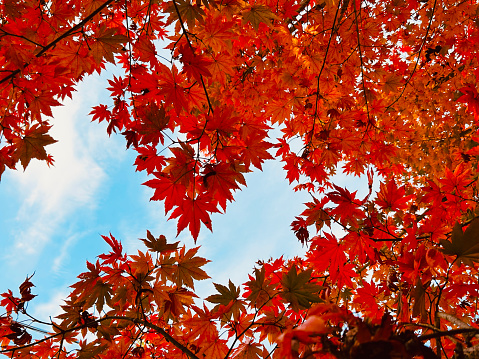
32	145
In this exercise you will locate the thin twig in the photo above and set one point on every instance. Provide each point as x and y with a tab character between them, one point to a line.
61	37
418	57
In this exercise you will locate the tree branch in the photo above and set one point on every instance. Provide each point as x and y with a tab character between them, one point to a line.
157	329
418	57
61	37
145	323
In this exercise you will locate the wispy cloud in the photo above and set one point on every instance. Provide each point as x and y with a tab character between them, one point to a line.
52	308
50	196
63	253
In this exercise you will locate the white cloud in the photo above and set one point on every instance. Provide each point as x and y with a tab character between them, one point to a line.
50	196
52	308
63	253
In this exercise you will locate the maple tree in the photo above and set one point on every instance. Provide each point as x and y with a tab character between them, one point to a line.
380	89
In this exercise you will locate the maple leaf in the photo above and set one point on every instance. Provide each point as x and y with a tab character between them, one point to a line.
419	295
182	166
194	65
471	98
100	113
347	209
192	212
172	90
145	49
148	160
202	325
7	158
188	12
117	87
32	144
117	250
154	121
259	291
464	245
141	263
455	182
315	214
108	42
18	334
392	197
297	289
166	189
188	268
9	302
221	180
25	290
177	300
159	244
216	34
91	350
367	294
215	350
99	294
227	296
249	351
391	83
255	151
14	8
42	103
257	14
18	57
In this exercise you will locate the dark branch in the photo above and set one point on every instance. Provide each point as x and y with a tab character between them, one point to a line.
63	36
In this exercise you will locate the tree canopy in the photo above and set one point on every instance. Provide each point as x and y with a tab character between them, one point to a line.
385	90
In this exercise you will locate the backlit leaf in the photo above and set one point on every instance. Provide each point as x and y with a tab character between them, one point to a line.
464	245
298	290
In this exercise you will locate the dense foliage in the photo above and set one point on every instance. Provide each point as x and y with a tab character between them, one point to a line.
381	89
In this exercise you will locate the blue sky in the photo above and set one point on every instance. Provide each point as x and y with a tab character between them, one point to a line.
52	218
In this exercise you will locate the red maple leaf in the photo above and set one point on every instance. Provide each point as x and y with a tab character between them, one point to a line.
166	189
392	197
347	208
192	212
171	88
194	64
221	180
471	98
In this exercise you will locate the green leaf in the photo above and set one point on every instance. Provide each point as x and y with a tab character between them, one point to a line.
297	289
464	245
